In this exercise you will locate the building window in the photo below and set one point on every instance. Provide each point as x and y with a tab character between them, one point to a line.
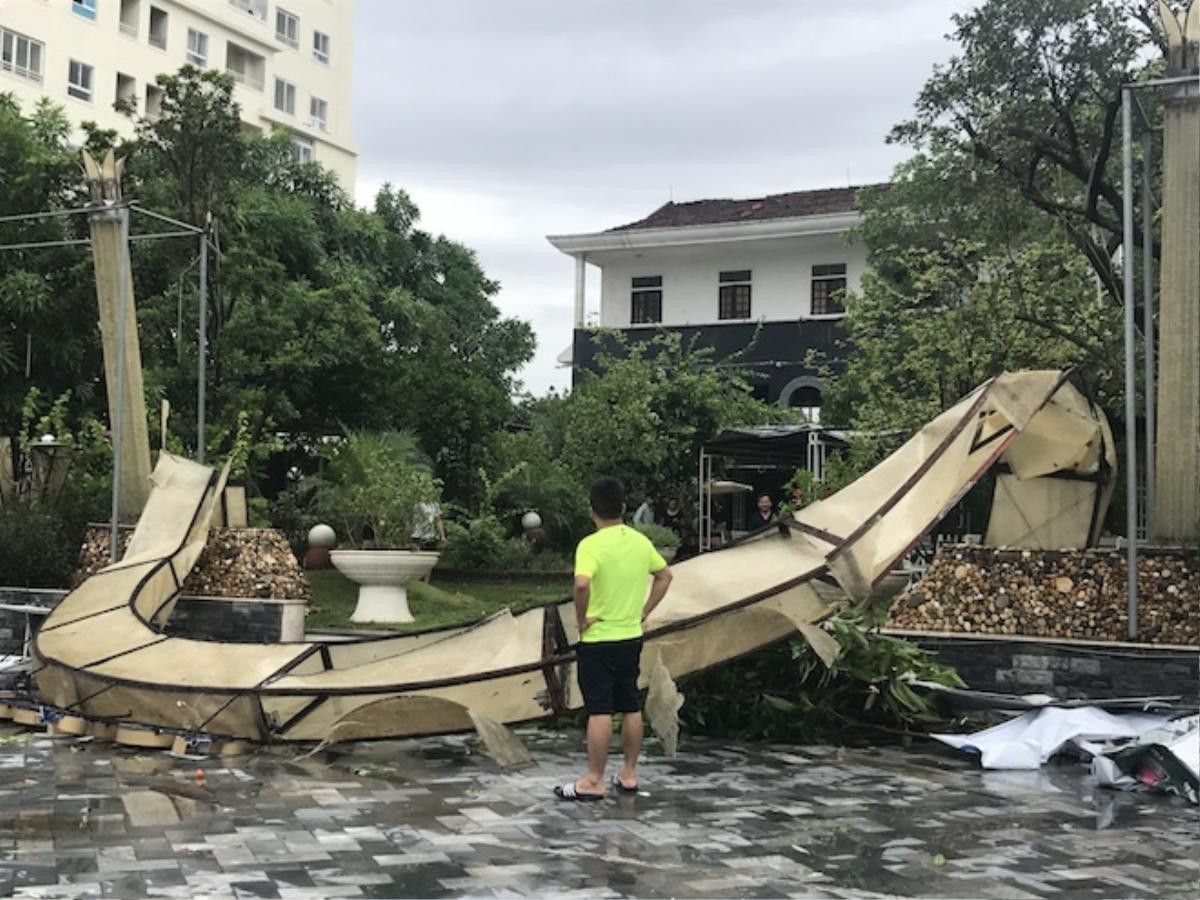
321	47
646	300
285	96
79	80
807	399
197	52
829	289
302	149
20	55
287	27
245	66
318	113
734	295
256	8
129	17
127	96
154	101
158	28
85	8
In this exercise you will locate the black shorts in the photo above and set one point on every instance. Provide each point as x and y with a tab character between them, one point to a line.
608	676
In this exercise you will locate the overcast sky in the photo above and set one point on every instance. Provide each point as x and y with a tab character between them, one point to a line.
507	120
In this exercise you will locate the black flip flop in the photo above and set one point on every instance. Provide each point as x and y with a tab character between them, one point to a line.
616	782
567	792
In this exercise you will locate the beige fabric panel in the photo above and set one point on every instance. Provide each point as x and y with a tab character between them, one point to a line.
105	590
190	663
358	653
1041	513
78	644
179	486
498	643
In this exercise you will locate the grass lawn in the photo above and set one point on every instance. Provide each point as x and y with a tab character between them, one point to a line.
445	602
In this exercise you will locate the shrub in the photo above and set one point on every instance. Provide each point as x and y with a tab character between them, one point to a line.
659	535
373	490
39	546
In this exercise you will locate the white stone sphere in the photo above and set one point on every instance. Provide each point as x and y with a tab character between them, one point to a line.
322	536
531	520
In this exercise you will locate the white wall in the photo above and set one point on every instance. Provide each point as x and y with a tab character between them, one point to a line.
102	45
781	277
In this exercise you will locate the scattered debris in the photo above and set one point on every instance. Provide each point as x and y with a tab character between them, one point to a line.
1166	758
1029	740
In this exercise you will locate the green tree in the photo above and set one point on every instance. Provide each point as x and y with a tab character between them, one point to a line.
965	281
1034	97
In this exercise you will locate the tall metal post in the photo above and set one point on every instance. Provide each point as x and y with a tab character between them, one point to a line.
118	423
1148	323
1127	265
202	349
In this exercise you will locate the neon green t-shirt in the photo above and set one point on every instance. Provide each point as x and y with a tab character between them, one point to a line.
618	560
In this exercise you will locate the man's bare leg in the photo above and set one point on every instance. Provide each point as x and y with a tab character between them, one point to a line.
632	731
599	736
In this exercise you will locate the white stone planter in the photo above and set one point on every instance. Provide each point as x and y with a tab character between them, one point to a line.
383	577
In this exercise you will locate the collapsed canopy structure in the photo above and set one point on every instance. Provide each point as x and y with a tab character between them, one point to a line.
102	654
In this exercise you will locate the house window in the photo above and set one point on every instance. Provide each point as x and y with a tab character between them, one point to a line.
129	17
302	149
79	80
85	8
321	47
197	52
829	289
318	113
807	399
20	55
287	27
158	28
646	300
285	96
734	295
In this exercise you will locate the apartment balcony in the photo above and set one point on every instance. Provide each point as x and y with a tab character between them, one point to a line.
256	8
245	66
782	353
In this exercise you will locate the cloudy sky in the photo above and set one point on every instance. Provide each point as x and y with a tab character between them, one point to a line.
507	120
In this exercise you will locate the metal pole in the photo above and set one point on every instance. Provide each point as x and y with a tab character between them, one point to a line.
1127	263
118	425
201	365
1148	324
700	505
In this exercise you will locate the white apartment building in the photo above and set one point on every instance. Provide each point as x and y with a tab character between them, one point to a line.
293	62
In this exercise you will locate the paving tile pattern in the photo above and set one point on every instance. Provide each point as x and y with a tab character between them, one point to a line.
433	818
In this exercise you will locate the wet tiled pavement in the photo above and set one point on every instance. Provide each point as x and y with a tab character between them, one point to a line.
434	818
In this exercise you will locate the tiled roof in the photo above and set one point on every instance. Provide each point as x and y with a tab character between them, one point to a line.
775	206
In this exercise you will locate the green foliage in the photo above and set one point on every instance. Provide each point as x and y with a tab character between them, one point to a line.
39	545
323	317
659	535
373	489
644	417
785	692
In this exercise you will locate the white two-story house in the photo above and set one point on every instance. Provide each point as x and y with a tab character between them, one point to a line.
720	269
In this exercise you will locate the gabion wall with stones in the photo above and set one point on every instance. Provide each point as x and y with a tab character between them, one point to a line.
236	562
1061	593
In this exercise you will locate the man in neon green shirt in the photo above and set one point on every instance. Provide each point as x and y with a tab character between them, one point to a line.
612	568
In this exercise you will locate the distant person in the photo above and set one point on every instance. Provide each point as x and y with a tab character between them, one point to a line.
612	568
797	498
644	514
764	513
673	517
429	533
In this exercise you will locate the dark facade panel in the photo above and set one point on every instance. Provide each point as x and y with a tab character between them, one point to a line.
778	356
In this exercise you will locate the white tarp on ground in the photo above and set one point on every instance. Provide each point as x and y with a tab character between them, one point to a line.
1029	740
